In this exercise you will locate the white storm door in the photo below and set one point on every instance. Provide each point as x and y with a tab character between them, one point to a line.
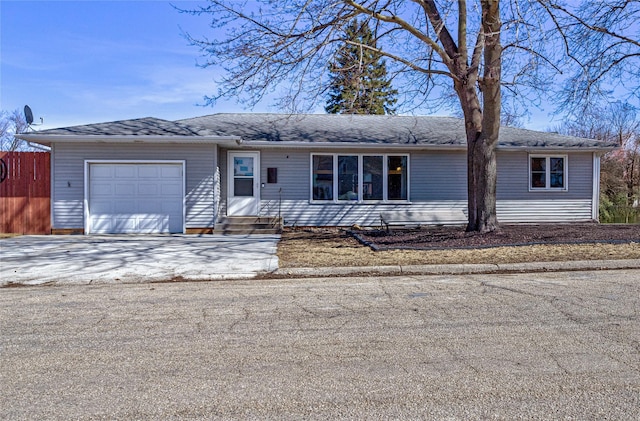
243	198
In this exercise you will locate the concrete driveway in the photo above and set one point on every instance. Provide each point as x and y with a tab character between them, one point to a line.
34	260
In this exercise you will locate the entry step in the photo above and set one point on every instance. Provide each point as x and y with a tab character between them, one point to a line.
248	225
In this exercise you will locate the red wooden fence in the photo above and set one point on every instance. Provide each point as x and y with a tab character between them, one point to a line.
25	192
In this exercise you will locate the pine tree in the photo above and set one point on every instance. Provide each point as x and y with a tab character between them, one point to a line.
359	83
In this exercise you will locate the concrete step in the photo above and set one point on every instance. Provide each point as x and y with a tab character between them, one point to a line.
237	231
248	225
249	220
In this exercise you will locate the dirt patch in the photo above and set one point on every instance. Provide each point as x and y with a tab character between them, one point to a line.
451	245
507	235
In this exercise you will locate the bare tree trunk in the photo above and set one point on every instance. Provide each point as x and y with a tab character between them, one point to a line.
483	127
481	164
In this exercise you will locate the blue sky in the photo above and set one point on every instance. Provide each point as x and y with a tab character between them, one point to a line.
78	62
82	62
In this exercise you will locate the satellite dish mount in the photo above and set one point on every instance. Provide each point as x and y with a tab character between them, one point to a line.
28	116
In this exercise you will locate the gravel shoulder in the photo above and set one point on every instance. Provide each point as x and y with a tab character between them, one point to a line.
325	247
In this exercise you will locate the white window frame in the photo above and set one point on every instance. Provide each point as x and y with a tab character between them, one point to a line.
360	200
547	187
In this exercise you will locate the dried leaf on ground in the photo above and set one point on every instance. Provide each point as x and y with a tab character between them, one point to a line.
334	247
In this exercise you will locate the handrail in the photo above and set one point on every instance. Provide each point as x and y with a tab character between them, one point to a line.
280	222
268	205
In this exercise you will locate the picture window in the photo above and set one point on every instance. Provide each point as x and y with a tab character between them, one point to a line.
359	178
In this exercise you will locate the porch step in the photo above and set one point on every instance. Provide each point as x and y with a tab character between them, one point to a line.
248	225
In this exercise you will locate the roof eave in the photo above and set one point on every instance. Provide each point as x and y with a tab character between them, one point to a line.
344	145
49	139
556	148
422	146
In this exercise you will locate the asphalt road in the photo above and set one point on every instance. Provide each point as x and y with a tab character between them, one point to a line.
527	346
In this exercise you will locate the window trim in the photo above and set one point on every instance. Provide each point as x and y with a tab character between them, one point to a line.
547	187
360	156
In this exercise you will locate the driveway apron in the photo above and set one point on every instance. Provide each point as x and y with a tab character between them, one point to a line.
34	260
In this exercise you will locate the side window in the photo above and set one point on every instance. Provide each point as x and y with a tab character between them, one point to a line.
547	172
556	173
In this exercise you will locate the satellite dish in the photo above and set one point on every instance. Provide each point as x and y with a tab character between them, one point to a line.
28	115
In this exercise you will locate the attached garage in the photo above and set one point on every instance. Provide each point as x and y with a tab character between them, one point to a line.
135	197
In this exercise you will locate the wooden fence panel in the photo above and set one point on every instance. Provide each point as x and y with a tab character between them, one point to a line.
25	192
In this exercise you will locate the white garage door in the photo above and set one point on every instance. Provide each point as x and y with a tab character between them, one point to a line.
135	198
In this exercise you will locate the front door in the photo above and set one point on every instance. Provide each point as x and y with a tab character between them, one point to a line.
244	184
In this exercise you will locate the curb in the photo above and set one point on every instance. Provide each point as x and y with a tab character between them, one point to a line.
460	269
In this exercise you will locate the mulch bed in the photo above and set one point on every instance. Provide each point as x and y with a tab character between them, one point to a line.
434	238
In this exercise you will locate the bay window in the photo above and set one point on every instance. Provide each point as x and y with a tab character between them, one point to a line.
359	178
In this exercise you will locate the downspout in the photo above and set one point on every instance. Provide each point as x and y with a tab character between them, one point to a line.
39	147
595	200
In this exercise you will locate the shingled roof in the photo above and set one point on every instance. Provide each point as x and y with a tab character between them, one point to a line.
372	129
148	126
310	129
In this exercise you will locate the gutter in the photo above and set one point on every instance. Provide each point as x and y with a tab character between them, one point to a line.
48	139
413	146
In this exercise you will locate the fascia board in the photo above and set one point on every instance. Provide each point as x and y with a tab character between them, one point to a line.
365	145
345	145
49	139
556	149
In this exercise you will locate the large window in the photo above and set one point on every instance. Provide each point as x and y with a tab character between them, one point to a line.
348	177
397	176
372	178
547	172
322	177
359	178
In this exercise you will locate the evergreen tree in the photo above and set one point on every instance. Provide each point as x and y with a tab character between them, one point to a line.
359	83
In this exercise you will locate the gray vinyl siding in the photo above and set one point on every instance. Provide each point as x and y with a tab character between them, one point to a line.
302	213
438	176
68	175
438	181
513	177
544	211
294	172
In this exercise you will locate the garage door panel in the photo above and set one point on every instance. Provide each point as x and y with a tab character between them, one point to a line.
171	189
136	198
123	224
151	206
171	172
169	207
125	189
102	189
125	206
124	171
102	172
153	223
148	171
102	207
148	189
102	224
